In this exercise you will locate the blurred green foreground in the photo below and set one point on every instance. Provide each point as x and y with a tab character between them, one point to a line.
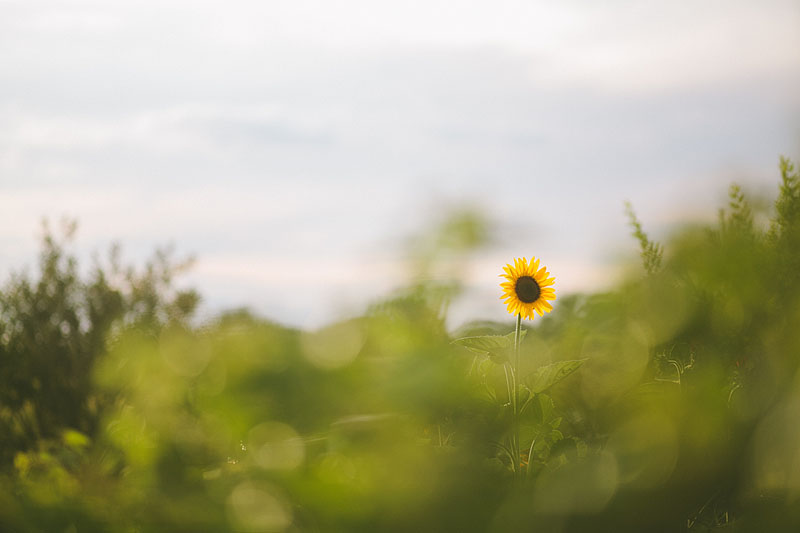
670	403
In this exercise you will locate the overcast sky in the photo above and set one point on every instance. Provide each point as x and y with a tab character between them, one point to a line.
292	145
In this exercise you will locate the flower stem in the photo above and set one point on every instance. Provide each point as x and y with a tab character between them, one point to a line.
515	397
509	371
530	457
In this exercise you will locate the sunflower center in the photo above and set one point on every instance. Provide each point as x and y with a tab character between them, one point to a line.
527	289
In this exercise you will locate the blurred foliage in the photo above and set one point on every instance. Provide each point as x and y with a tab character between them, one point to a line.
652	252
55	326
666	403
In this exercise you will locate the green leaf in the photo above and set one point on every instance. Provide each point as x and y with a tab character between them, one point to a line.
564	446
75	439
545	406
496	347
545	377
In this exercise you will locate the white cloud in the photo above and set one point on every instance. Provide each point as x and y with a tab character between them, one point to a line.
256	134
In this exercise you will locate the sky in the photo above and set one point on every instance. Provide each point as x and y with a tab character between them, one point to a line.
292	147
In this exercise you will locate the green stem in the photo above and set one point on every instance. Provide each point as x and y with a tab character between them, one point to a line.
530	456
509	372
515	402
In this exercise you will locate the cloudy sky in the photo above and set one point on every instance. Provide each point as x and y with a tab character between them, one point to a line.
291	146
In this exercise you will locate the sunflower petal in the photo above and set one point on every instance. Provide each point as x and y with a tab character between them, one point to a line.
512	272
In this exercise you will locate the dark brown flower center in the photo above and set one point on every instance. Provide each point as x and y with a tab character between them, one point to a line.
527	289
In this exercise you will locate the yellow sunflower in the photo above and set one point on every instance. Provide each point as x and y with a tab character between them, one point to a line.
527	288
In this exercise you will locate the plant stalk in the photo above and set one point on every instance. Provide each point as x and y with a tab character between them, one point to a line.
515	397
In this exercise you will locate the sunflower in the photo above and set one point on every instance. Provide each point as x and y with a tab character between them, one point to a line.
527	289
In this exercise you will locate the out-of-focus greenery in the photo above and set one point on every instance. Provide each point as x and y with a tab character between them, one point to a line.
53	329
669	402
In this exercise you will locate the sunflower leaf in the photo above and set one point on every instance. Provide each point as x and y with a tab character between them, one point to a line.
546	376
496	347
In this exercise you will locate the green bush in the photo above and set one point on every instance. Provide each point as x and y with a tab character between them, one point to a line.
666	403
